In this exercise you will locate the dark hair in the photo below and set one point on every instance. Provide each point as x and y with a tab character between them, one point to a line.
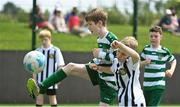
156	29
173	10
96	15
74	11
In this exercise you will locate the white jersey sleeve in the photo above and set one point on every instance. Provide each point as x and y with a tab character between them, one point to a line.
59	58
134	66
114	65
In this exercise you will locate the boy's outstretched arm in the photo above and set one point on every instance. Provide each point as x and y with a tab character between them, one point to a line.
100	68
127	50
170	71
145	62
98	53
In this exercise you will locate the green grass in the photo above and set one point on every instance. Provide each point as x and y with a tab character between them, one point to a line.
74	105
47	105
17	36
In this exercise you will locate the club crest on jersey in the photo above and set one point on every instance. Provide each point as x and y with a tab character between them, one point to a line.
51	56
122	71
100	45
160	57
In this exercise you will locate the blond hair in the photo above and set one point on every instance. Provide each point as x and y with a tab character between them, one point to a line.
96	15
130	42
45	33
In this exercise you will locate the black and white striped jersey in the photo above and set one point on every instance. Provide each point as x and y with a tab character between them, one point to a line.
54	59
127	81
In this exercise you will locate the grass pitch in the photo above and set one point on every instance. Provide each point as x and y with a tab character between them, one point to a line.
17	36
75	105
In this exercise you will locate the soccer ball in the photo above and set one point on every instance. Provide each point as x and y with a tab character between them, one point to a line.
34	62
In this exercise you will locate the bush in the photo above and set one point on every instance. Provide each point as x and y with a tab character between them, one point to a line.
146	18
22	16
116	17
6	18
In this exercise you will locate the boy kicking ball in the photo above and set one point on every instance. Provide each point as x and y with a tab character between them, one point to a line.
103	55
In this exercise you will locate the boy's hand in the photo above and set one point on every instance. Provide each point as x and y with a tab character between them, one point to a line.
115	44
168	73
93	66
96	52
147	61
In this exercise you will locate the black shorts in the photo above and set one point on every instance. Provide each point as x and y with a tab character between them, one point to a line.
50	92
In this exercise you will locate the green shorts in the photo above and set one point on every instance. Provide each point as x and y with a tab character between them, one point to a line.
107	94
153	97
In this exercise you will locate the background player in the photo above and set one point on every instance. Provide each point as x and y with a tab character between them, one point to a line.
154	57
54	60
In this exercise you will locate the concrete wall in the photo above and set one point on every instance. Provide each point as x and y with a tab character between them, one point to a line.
13	79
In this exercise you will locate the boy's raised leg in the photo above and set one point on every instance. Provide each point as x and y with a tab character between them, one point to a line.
34	89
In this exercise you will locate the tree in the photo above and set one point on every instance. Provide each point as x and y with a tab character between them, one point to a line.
159	6
10	8
14	12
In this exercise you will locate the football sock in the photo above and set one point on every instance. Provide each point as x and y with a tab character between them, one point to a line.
53	79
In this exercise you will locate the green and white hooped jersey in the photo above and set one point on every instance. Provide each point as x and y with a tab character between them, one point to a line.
154	73
107	56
